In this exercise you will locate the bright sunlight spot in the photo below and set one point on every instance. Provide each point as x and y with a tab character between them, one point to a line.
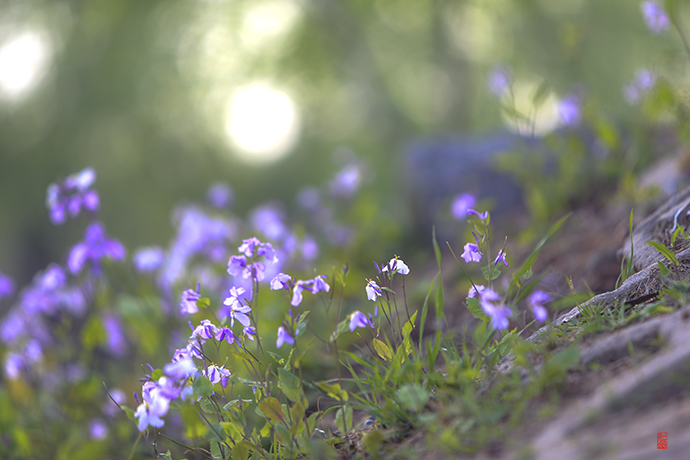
265	22
23	62
262	123
529	117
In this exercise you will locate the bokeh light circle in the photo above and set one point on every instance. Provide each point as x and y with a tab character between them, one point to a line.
262	123
23	62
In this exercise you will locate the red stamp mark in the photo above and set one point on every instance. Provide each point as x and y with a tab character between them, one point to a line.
662	440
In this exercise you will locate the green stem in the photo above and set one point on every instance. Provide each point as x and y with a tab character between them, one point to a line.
131	455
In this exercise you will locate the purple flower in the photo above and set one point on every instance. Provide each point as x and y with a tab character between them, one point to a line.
33	352
642	83
248	245
319	284
297	293
493	306
116	341
269	220
206	330
219	195
95	246
536	301
373	290
237	265
474	290
309	198
152	409
501	257
471	253
655	16
310	248
249	332
52	278
255	270
188	304
197	233
280	281
148	259
48	292
71	195
13	365
358	319
91	201
500	79
6	286
217	374
481	215
168	387
462	204
98	429
225	333
347	181
396	266
235	310
569	110
266	250
283	337
180	369
192	350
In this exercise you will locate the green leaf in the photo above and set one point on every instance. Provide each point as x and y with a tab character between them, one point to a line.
272	409
476	309
236	402
302	354
413	397
240	355
312	420
266	430
215	433
128	411
297	415
655	309
343	326
343	420
382	349
232	430
241	450
157	374
203	302
679	231
494	273
202	386
440	314
282	433
409	326
290	385
664	271
297	412
333	390
195	426
425	310
666	252
373	442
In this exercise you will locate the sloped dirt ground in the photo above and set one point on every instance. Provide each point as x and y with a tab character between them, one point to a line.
614	406
617	411
632	383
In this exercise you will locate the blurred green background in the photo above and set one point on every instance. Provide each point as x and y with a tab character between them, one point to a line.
165	97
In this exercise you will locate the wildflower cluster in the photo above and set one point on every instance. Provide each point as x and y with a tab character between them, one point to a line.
69	197
492	303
